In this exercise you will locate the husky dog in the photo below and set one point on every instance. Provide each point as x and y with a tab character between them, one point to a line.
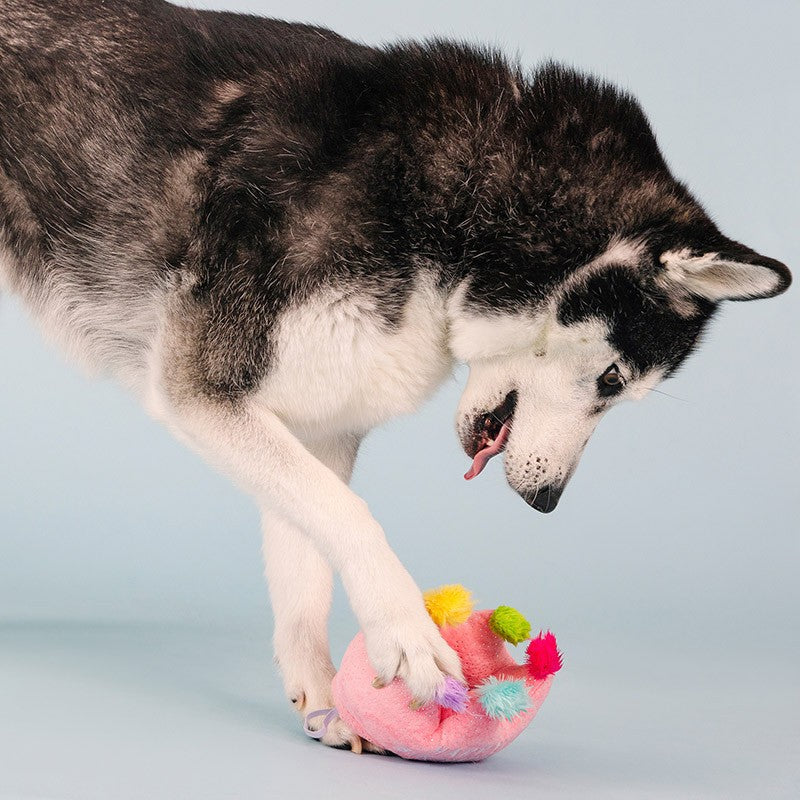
280	239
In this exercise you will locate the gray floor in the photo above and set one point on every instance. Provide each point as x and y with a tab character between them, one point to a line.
177	712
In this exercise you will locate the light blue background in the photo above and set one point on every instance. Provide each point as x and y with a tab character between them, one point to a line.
134	626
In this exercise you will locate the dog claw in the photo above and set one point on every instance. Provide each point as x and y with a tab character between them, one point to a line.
355	745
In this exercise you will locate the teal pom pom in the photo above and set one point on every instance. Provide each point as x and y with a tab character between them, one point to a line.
503	699
508	623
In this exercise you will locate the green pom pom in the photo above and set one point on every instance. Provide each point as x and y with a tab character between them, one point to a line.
509	624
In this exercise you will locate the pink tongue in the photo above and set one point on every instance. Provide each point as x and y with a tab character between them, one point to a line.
485	453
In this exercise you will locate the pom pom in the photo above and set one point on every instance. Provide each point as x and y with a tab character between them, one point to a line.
449	605
543	656
509	624
453	694
503	699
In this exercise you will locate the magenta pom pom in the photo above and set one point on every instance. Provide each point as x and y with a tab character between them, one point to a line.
543	656
453	695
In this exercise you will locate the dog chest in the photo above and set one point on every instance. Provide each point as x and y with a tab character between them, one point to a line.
340	366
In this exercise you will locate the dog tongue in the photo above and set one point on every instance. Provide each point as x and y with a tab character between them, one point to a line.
485	453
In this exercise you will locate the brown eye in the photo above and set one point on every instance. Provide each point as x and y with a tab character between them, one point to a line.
610	382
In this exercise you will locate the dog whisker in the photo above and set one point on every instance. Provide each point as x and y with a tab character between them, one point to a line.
666	394
500	421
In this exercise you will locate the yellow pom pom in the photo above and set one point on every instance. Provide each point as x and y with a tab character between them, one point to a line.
449	605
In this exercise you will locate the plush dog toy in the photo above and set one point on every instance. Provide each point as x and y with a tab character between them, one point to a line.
467	722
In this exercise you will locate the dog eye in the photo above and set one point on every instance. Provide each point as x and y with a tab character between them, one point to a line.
610	382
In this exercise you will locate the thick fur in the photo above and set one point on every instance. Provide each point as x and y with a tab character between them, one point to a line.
280	239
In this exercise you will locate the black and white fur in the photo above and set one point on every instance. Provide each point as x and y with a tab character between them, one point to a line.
280	239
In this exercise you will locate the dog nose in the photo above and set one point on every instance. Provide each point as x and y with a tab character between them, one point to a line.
543	499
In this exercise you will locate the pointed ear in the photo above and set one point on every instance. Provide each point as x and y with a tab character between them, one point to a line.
733	272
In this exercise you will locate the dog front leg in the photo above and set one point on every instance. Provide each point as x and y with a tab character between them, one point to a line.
252	444
300	585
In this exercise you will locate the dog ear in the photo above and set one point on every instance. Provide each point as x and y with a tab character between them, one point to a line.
731	272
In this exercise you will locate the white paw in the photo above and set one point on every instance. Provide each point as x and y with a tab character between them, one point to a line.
409	646
335	733
313	694
402	640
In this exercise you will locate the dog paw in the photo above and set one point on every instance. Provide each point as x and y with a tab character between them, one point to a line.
410	647
402	640
338	735
317	697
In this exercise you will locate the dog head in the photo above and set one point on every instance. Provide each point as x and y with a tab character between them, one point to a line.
589	284
543	376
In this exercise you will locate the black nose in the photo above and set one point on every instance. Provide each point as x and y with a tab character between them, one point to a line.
543	499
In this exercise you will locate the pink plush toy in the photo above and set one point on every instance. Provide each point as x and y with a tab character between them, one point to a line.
467	722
